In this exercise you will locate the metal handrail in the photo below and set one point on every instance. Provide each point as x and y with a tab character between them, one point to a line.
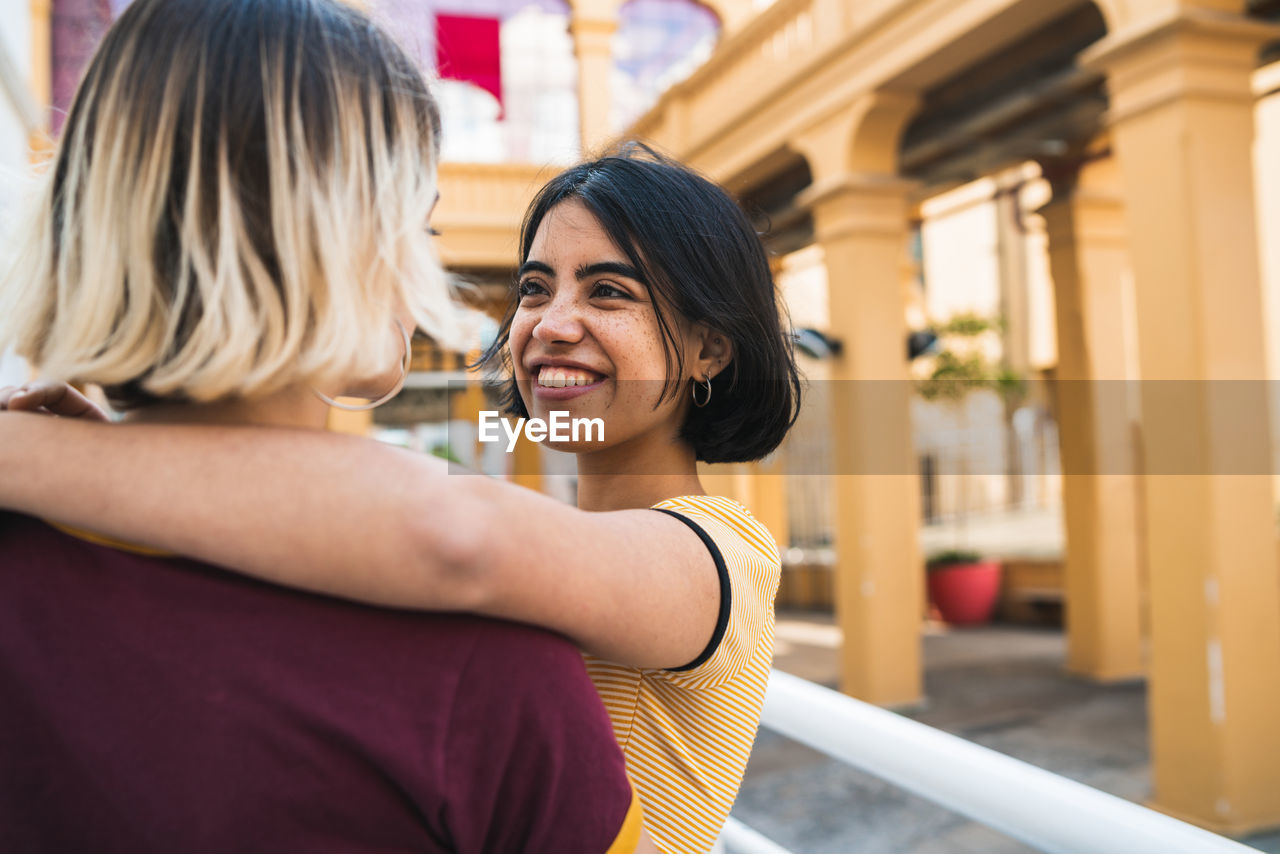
737	838
1044	810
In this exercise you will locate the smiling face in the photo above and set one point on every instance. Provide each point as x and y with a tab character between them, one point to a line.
585	336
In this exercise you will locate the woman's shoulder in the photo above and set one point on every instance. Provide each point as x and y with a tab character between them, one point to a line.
725	518
737	658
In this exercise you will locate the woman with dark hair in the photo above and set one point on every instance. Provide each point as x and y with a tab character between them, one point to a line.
701	263
644	299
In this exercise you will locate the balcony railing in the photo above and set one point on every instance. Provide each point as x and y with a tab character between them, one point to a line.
1043	810
480	208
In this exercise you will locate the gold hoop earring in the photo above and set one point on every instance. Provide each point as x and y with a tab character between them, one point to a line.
694	390
404	375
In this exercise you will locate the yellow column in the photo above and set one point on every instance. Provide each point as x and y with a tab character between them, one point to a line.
769	499
1089	261
526	465
1182	123
353	423
41	77
726	479
466	404
861	224
592	25
1014	275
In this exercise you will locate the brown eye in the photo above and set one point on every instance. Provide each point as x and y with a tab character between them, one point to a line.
605	289
528	288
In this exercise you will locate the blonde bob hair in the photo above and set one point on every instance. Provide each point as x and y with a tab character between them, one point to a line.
239	202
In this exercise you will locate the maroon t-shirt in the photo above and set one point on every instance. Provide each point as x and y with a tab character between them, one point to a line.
161	705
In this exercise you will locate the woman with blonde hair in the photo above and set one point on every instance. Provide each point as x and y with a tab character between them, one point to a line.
234	230
644	300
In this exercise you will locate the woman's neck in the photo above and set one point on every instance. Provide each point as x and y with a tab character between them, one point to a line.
636	475
294	407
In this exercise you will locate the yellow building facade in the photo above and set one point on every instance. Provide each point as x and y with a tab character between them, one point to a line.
1143	117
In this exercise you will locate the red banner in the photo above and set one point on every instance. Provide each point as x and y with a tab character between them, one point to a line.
469	49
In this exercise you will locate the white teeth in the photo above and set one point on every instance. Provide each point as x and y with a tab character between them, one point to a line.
549	377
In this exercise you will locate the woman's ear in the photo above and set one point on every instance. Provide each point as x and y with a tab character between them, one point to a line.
715	352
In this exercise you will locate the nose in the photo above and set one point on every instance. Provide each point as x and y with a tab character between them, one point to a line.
560	321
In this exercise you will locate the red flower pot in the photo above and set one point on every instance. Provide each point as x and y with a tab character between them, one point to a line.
965	593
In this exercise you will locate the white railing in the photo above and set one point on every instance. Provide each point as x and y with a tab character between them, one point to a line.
737	838
1044	810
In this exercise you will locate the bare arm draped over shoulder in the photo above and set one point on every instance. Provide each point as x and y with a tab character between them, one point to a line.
358	519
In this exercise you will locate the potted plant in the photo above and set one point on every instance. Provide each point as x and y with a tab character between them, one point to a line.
963	586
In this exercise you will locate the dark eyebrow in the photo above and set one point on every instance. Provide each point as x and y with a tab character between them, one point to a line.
534	267
586	271
607	267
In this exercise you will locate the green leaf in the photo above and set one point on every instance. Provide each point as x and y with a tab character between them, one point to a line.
951	557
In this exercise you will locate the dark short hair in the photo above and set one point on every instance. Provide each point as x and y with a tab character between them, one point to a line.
699	254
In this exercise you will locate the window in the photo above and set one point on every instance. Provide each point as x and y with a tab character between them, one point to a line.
658	44
539	80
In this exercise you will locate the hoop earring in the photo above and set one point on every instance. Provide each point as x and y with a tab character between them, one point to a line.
404	375
694	391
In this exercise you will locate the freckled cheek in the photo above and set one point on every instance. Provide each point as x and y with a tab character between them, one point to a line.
636	348
650	364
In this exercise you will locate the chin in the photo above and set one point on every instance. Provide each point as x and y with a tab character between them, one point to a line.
575	448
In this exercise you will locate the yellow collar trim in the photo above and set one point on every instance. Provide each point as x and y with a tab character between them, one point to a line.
100	540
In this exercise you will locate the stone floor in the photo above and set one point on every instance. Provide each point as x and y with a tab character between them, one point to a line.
1002	687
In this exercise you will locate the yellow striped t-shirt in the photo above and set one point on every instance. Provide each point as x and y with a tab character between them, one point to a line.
687	733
